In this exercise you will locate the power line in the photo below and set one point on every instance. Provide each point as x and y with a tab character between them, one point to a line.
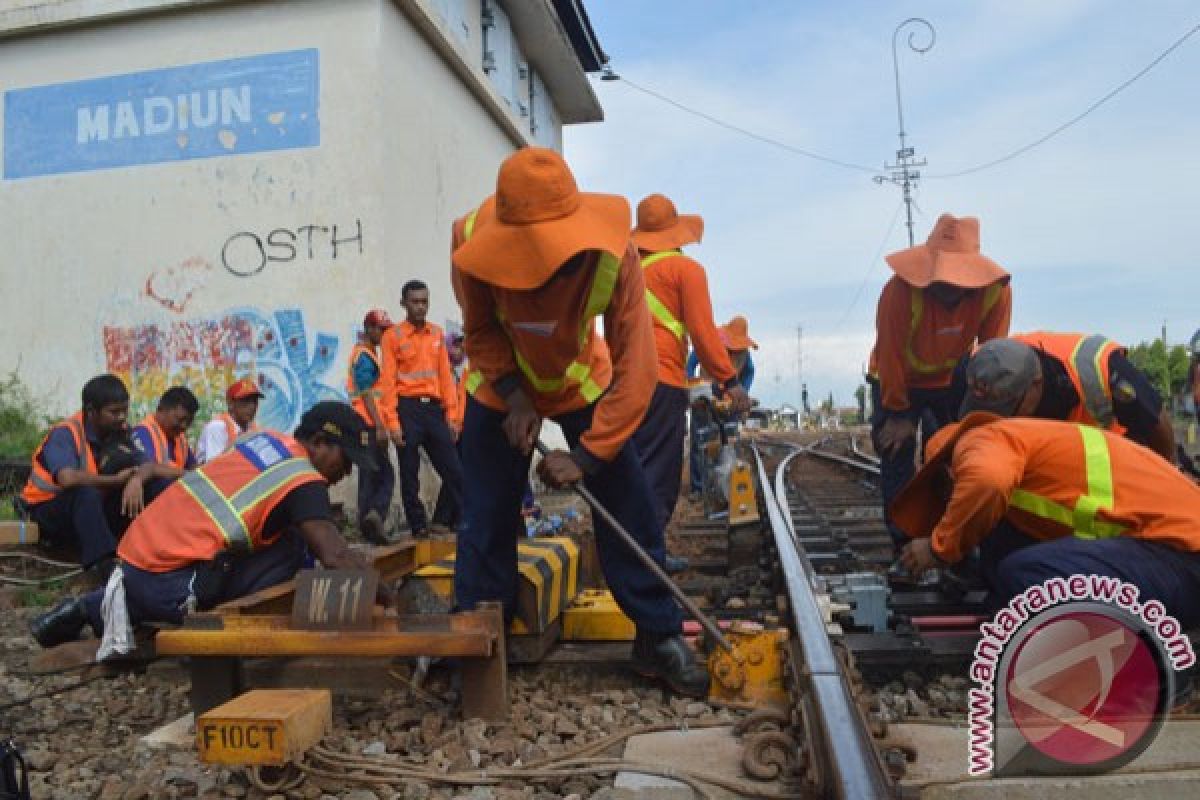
1022	150
871	267
736	129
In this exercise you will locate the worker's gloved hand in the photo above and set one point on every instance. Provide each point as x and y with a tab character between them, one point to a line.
739	401
895	433
918	556
522	425
559	470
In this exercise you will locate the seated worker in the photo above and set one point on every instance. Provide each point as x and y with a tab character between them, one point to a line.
677	295
241	404
1072	377
87	480
536	268
945	296
162	437
377	407
235	525
735	335
1045	499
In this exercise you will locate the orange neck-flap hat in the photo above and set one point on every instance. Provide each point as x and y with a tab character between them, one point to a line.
539	221
919	506
661	227
735	335
950	255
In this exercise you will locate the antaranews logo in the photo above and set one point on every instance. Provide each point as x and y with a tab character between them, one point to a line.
1073	676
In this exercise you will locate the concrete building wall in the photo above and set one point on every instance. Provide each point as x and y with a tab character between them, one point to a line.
251	260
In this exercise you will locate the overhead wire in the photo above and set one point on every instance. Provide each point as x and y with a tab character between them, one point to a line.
871	265
1077	118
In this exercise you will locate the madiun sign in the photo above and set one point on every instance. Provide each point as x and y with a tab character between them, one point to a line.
243	105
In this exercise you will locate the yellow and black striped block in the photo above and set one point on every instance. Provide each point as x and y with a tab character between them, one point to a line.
549	581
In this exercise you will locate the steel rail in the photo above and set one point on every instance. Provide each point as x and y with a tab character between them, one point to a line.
850	462
869	458
849	767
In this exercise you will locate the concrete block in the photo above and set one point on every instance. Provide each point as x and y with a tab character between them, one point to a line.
177	735
710	750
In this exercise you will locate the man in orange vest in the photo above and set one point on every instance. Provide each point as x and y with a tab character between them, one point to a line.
944	297
220	434
1045	499
417	370
372	398
237	524
162	437
446	513
540	265
1073	377
677	296
87	480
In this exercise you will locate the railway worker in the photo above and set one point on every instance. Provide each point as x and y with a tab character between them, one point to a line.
1045	499
223	430
1069	376
447	514
944	297
87	480
416	369
235	525
541	263
735	337
162	437
371	397
677	295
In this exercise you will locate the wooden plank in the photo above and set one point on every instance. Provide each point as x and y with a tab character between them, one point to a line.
16	531
271	727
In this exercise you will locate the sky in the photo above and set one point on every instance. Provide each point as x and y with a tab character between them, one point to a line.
1098	225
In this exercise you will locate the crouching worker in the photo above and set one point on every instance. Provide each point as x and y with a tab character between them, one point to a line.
540	265
1047	499
237	524
87	481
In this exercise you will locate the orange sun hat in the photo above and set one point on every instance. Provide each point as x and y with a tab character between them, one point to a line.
539	221
660	227
735	335
919	506
950	255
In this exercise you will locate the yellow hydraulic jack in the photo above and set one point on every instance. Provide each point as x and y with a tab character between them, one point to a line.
748	666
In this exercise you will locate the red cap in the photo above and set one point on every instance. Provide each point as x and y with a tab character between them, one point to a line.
242	389
377	317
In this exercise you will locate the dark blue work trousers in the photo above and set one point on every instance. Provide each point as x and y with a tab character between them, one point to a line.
375	487
424	424
163	596
446	512
660	440
82	517
930	409
1013	561
486	566
702	419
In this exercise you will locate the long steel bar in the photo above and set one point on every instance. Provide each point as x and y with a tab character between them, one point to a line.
852	768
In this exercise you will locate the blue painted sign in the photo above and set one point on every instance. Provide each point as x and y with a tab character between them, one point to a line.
220	108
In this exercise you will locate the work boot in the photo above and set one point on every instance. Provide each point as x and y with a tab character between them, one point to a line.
669	658
674	564
63	623
372	528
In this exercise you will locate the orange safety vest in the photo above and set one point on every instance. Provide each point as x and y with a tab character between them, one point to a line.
41	485
1086	360
222	505
991	295
356	397
158	439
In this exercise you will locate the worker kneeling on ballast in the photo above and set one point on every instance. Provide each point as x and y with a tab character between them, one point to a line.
534	270
1046	499
1069	376
237	524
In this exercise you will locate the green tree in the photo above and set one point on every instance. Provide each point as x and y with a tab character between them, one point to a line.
1162	365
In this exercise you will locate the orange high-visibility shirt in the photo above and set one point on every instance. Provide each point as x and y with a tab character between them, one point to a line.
545	324
923	356
415	364
681	285
1151	499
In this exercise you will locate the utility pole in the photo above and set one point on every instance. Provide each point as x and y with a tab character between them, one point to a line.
800	362
905	172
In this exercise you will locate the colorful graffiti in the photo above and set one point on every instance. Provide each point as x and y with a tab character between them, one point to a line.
207	354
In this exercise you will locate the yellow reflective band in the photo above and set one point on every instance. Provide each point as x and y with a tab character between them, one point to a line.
918	311
469	225
1083	518
663	316
218	508
1087	359
990	297
654	258
270	481
474	381
600	296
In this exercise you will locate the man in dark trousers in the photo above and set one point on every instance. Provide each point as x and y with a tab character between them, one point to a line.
417	368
